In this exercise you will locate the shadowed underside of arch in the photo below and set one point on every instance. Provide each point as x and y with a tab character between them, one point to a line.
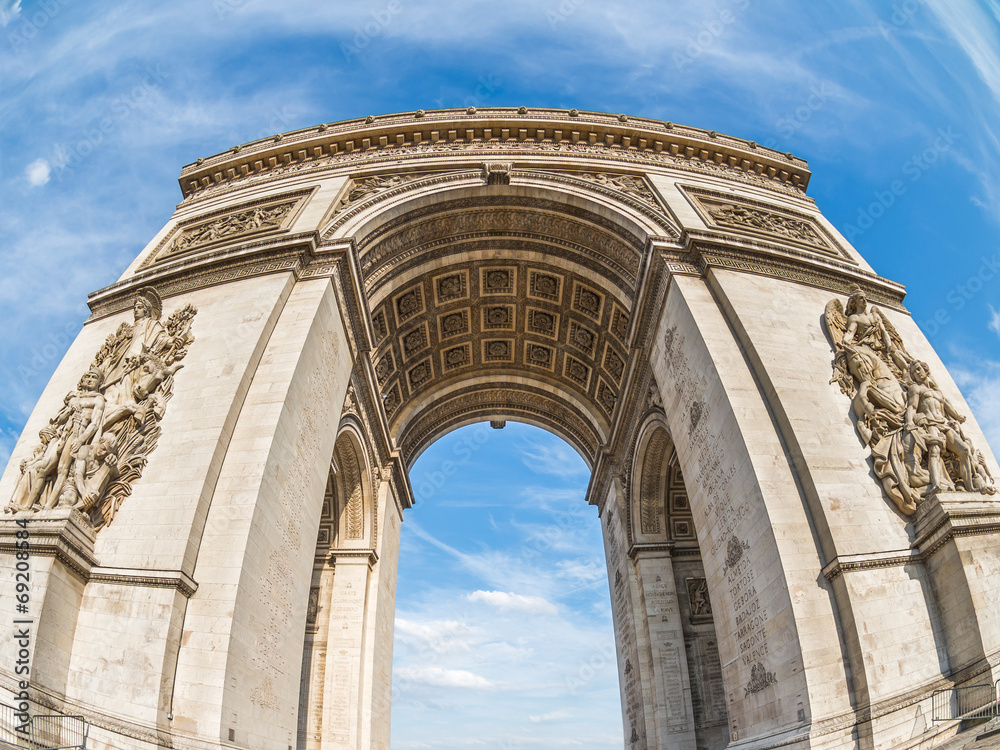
500	302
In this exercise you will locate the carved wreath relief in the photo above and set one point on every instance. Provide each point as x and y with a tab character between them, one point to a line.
915	435
97	445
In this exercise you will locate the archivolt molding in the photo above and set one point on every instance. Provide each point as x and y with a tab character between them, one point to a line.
565	228
377	140
362	197
360	409
628	193
514	401
649	494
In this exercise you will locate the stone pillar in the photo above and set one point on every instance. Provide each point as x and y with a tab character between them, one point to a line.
239	665
345	676
958	538
630	637
380	624
784	670
667	681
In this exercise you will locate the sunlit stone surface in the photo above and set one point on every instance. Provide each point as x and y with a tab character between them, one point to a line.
658	296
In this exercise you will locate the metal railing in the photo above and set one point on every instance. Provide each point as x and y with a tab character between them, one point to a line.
42	731
966	702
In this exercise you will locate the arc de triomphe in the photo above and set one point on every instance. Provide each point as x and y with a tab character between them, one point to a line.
800	523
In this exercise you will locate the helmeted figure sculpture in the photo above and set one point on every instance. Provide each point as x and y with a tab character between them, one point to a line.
914	433
98	443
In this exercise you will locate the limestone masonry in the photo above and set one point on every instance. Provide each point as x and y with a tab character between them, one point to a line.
202	516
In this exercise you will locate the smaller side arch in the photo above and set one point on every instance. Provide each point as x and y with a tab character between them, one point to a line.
648	512
353	493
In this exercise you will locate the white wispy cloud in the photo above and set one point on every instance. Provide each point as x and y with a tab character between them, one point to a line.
508	602
440	677
973	30
994	324
440	636
551	716
552	457
38	172
9	11
583	570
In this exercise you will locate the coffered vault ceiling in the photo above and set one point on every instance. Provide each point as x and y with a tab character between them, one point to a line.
501	306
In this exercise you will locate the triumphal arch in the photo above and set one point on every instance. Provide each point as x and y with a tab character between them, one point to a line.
202	516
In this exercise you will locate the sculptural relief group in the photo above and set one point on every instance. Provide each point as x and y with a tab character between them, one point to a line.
915	434
92	451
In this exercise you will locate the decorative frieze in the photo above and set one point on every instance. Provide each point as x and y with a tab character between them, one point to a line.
239	224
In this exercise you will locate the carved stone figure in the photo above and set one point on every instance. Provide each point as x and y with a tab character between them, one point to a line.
932	427
231	225
95	466
698	596
97	445
34	472
914	434
78	422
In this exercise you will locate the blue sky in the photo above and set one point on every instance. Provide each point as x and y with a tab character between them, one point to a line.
875	95
503	616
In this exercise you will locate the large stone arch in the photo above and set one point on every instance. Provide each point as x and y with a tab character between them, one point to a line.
657	297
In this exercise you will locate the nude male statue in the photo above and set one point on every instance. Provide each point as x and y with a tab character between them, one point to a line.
34	472
79	422
932	424
96	465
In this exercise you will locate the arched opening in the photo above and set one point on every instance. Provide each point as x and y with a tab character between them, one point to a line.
490	300
336	605
671	573
503	616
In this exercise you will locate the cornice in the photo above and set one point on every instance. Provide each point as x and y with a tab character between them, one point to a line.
503	131
287	253
655	549
938	521
354	556
712	249
64	534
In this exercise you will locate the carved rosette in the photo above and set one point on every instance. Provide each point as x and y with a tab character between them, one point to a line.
96	447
